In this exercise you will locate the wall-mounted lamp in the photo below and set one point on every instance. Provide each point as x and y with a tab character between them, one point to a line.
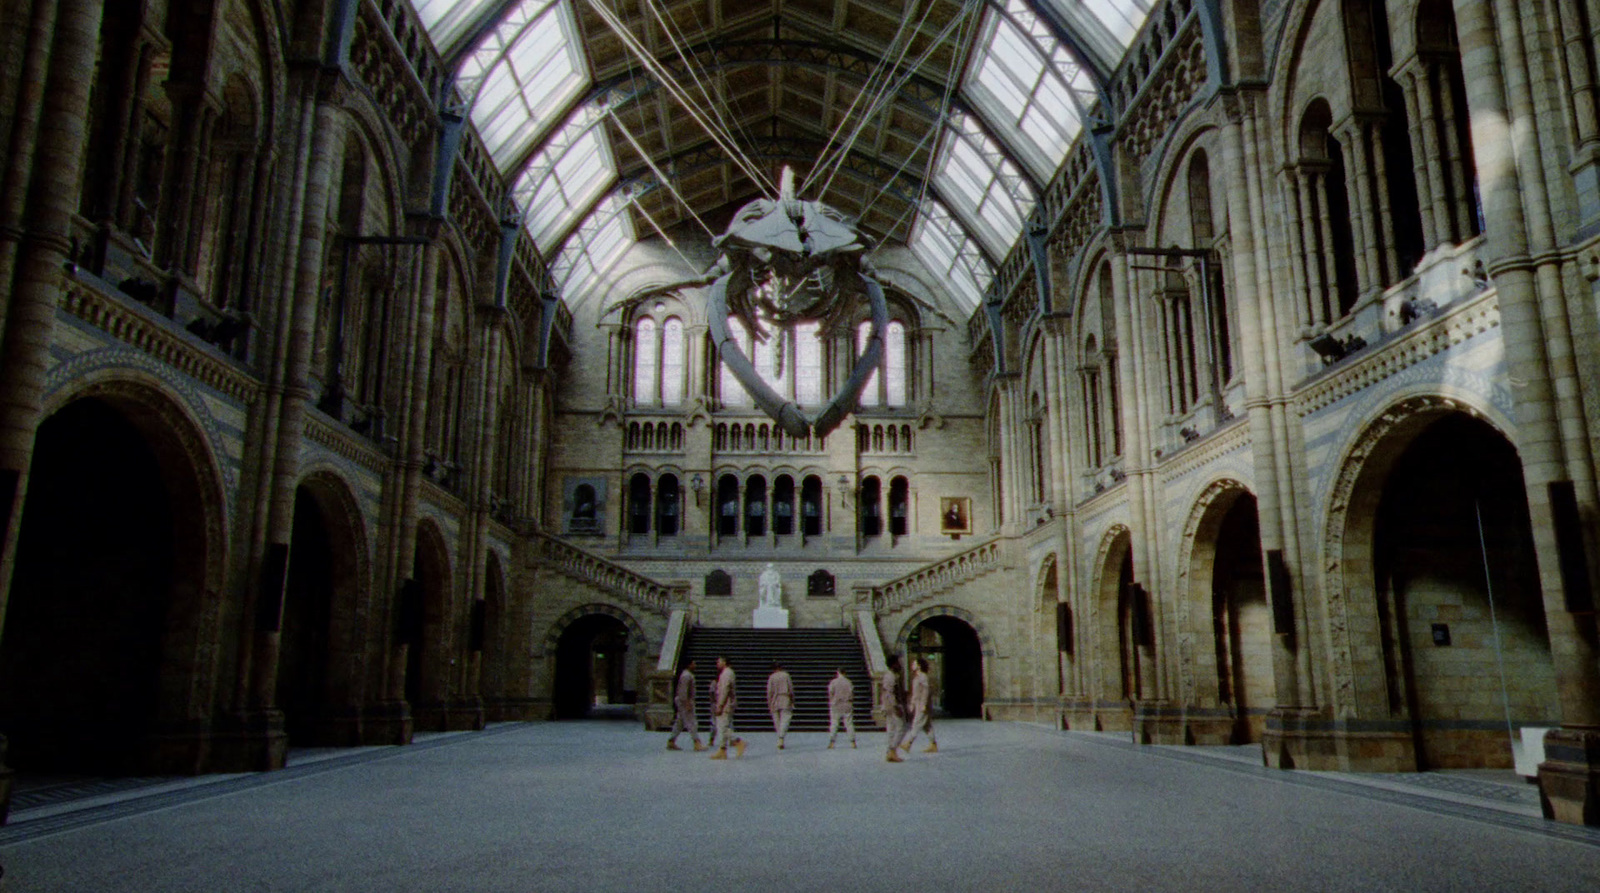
844	490
698	485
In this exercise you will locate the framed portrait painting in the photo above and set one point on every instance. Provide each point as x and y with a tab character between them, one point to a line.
955	514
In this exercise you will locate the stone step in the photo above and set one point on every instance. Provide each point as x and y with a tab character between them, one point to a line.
810	655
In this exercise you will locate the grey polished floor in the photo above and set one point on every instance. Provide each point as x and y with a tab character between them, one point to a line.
601	806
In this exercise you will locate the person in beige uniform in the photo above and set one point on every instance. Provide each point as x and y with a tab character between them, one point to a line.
892	697
841	708
723	703
780	700
918	707
683	700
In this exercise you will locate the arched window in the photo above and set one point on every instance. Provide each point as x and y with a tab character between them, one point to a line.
1218	334
733	393
672	363
899	501
1452	210
667	499
894	364
887	385
1041	467
811	506
755	506
783	505
727	505
646	362
808	364
1090	372
1326	244
871	511
639	504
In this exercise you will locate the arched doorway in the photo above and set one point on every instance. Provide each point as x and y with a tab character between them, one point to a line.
1241	621
1117	632
321	666
490	633
428	631
105	606
307	616
592	669
955	664
1456	601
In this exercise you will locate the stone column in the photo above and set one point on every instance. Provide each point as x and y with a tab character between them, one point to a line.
1570	778
43	254
27	110
1408	77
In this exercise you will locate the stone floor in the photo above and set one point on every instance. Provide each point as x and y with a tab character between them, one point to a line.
601	806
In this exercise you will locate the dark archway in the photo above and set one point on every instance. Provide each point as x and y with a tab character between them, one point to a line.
1443	636
303	657
91	623
591	667
429	635
1242	621
490	635
955	664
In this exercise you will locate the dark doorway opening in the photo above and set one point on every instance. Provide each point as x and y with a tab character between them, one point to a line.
955	664
591	669
80	664
307	615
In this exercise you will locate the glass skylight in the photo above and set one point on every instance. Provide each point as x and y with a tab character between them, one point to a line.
572	168
520	76
1122	18
938	240
1026	80
447	20
590	251
982	184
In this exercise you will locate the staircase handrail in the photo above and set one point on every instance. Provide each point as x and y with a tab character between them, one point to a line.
928	579
587	567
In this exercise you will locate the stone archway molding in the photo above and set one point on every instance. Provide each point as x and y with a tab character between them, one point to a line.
1194	566
985	640
1357	466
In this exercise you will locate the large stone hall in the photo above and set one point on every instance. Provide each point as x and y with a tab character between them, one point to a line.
397	395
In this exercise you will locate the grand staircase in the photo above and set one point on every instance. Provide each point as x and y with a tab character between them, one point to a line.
810	655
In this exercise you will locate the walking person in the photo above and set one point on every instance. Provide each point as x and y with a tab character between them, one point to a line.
683	719
723	703
841	708
780	700
918	707
892	696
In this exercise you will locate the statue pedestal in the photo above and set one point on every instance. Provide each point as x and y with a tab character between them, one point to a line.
770	618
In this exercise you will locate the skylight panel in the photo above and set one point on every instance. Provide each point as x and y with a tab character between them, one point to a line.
982	185
598	242
1122	18
520	75
447	20
939	242
1024	79
560	183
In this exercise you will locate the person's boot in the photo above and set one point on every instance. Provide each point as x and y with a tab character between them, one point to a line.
721	754
830	744
699	747
673	745
933	747
852	744
893	757
780	744
738	745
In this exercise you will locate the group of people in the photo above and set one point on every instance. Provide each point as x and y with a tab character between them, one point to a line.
906	711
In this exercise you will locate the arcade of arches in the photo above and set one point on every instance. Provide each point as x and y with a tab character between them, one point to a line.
356	381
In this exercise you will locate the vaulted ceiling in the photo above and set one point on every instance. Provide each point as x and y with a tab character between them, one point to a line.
932	122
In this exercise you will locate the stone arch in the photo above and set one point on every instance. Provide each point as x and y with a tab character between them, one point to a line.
557	658
494	639
1117	655
431	634
351	663
985	638
1050	605
961	681
1224	619
182	652
1349	503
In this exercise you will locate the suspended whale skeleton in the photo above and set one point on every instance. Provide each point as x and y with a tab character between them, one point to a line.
782	261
